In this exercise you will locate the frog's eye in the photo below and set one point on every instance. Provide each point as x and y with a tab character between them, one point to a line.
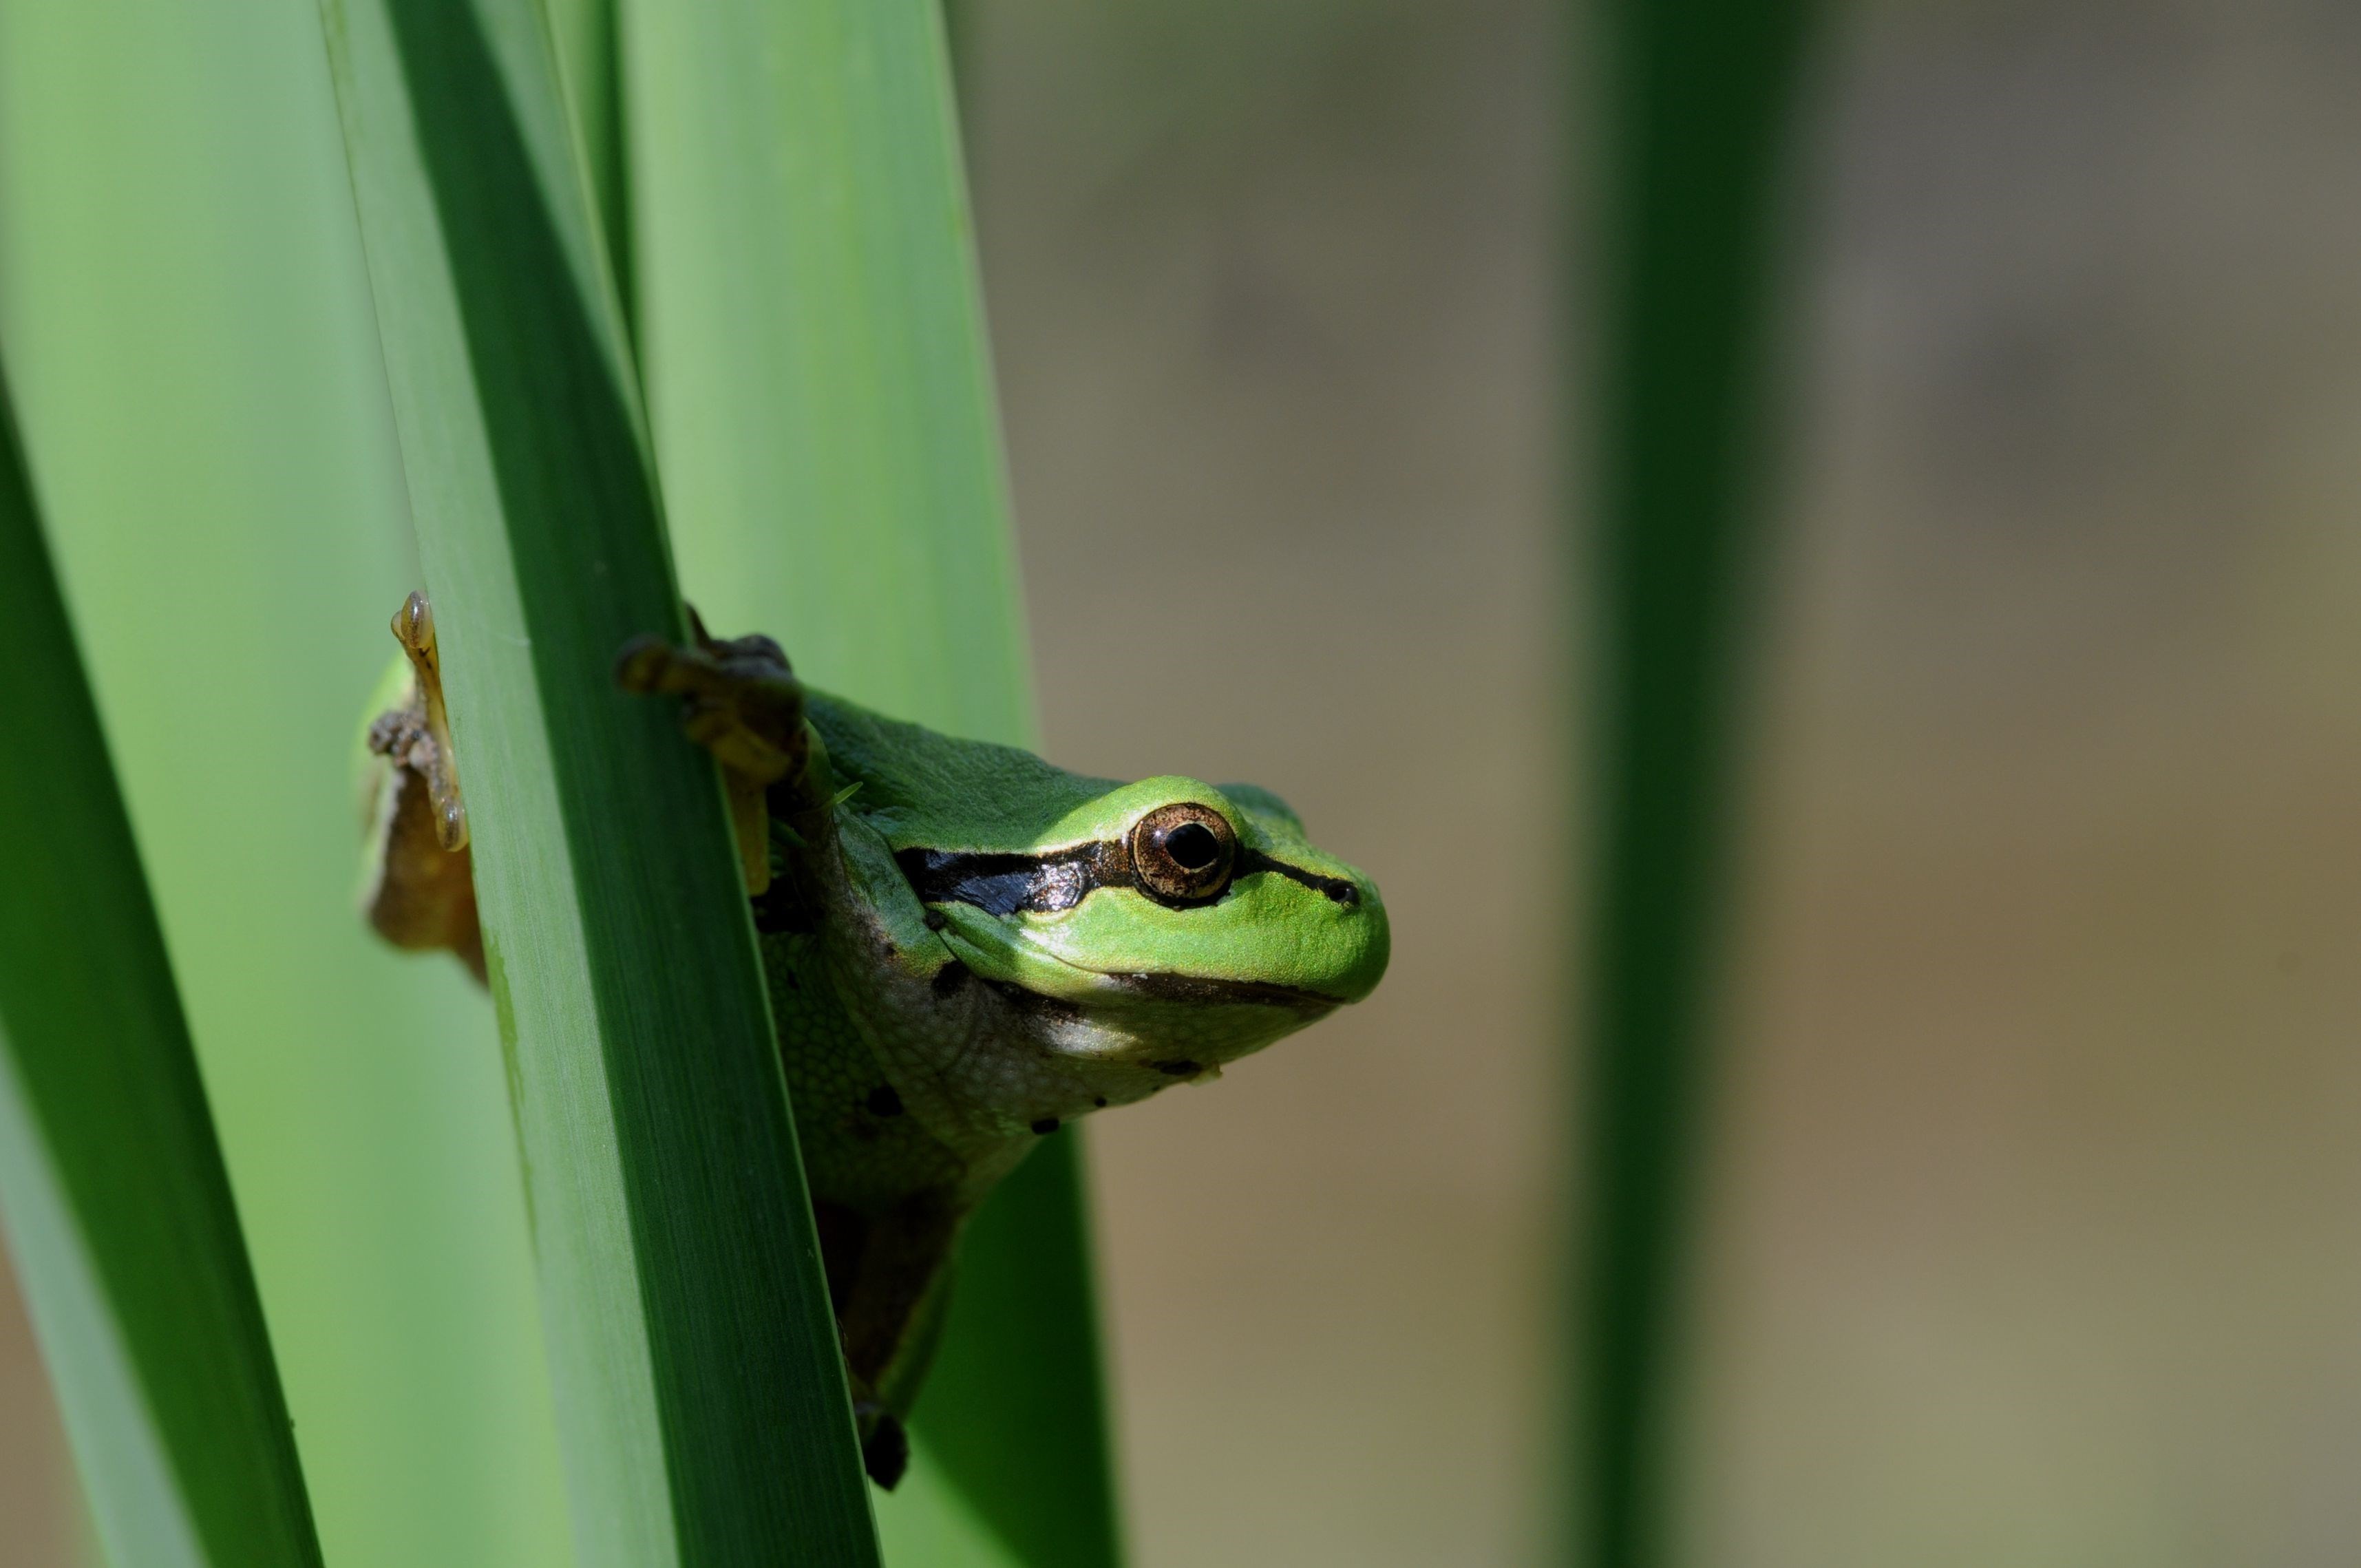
1182	854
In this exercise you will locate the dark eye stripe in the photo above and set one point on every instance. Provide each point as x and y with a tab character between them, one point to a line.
1006	885
1338	889
1045	885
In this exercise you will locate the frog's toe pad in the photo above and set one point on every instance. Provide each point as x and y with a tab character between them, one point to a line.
886	1452
741	700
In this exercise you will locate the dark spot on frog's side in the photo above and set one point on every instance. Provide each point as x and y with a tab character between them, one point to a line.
949	978
1046	1126
1182	1068
884	1102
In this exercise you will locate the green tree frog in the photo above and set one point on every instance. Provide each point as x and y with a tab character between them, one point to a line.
966	948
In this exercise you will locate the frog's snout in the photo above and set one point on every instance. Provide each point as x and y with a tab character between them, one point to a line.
1358	937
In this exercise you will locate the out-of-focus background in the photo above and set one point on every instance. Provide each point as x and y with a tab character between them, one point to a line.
2033	1231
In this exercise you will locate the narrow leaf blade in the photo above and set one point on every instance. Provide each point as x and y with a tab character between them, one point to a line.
1699	105
821	389
817	371
702	1403
189	336
112	1185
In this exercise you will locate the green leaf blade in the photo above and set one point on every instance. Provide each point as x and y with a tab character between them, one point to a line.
111	1180
701	1394
819	386
818	377
1699	112
1014	1412
192	344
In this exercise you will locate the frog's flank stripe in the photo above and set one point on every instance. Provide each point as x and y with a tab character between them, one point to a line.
999	883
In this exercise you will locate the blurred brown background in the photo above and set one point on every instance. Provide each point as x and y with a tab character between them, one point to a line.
2033	1226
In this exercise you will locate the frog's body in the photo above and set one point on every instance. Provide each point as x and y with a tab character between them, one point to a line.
966	949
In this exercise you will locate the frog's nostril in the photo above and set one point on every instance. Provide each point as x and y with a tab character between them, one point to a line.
1345	892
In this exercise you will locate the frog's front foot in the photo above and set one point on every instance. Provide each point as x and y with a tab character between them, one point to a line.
744	705
418	735
421	893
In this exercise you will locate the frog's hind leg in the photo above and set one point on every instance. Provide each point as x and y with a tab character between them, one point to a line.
423	893
888	1279
743	704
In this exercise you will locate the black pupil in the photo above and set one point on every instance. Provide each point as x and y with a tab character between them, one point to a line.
1192	846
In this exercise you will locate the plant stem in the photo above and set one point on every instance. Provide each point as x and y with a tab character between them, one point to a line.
1700	100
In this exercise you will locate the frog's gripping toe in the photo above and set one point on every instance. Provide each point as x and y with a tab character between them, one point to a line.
421	893
422	741
741	702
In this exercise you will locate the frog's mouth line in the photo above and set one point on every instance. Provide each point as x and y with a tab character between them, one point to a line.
1248	993
1054	881
968	959
1193	990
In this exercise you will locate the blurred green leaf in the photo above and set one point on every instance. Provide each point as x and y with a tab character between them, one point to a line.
820	383
700	1392
590	63
189	327
118	1205
817	373
1700	104
1013	1415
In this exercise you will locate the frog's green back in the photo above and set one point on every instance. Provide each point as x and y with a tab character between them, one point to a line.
921	787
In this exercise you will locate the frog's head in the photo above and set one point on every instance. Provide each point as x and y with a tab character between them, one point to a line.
1188	924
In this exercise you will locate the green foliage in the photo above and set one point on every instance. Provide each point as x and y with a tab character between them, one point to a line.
180	274
118	1206
1013	1415
188	326
700	1393
1700	101
821	389
817	373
